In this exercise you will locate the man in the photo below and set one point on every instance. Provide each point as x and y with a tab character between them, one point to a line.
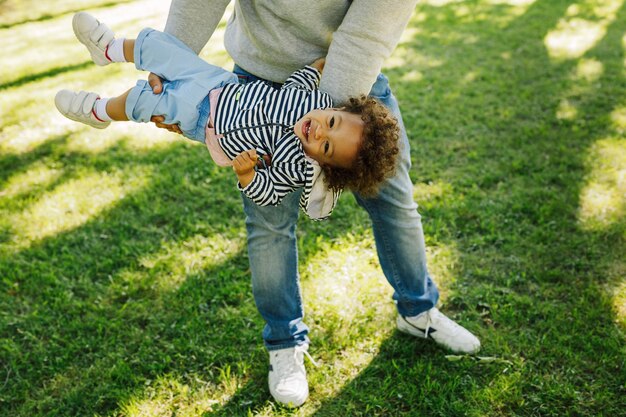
269	39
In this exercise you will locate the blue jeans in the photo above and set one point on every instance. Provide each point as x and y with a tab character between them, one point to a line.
397	230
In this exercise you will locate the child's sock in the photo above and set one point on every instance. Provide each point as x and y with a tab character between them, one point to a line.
115	50
100	110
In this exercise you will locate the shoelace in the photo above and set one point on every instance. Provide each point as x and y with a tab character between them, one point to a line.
303	349
428	323
439	317
287	362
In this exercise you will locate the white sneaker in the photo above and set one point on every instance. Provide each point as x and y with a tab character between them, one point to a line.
79	107
94	35
287	376
435	325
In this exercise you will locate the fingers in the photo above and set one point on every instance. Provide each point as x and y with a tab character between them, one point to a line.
158	122
245	161
266	162
156	83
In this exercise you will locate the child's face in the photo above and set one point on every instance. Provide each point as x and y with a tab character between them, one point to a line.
330	136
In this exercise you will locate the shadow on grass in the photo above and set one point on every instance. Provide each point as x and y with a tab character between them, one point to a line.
43	75
92	317
83	303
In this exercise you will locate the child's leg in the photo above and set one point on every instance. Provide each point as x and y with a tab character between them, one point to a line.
115	108
129	50
172	60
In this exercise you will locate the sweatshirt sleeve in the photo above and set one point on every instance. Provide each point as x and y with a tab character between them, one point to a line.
194	21
269	186
367	36
306	78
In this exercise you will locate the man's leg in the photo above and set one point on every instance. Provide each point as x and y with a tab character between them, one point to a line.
273	259
272	251
400	245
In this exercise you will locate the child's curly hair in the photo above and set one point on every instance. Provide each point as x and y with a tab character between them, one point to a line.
378	152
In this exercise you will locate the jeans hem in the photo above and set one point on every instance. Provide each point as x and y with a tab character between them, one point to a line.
286	345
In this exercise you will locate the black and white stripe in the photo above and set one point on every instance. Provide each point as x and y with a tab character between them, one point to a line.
259	116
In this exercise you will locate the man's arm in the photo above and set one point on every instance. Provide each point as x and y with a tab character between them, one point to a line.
367	36
194	21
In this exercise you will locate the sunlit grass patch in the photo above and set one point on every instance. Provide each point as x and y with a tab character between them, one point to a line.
619	296
408	56
16	12
518	3
347	284
618	119
424	192
38	176
343	278
603	199
169	394
73	203
584	25
566	110
33	48
589	70
175	261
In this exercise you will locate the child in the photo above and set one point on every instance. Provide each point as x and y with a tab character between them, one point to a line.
309	143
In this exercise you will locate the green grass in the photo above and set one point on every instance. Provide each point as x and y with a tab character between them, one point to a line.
124	280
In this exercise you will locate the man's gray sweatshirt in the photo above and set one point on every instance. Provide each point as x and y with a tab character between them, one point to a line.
273	38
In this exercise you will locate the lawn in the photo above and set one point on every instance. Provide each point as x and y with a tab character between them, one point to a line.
124	280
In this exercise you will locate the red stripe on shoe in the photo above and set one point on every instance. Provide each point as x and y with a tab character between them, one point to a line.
106	53
93	111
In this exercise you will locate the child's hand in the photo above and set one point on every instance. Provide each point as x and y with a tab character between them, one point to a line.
243	165
319	64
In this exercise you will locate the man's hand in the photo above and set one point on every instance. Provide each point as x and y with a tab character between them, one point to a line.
318	64
156	83
243	165
157	88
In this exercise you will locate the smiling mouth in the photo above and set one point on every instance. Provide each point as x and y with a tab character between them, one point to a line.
306	129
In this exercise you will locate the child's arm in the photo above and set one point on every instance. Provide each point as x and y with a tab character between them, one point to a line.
267	187
307	78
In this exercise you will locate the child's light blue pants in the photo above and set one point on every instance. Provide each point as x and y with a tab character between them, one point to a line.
187	80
